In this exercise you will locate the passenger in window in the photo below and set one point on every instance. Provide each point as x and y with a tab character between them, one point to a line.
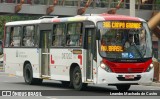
142	37
128	42
55	42
24	41
27	40
118	38
103	42
11	37
69	42
143	40
73	40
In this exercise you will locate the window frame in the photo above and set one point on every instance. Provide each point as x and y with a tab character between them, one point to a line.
20	35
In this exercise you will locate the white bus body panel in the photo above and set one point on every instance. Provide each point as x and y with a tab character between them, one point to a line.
16	57
61	61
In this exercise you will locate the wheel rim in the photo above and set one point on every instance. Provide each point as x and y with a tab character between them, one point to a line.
77	78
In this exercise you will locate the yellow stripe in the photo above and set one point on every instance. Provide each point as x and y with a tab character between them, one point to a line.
11	75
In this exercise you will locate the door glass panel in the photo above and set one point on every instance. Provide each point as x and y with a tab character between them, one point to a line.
89	64
45	43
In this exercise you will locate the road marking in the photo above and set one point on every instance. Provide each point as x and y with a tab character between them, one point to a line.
11	75
50	98
5	81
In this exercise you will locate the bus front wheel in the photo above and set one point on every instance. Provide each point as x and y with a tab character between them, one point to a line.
28	76
77	79
123	87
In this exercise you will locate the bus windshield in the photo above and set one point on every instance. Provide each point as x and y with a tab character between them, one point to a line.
125	40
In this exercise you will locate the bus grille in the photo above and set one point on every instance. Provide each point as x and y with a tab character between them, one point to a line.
128	70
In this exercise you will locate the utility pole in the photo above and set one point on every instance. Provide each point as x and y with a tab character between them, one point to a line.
132	8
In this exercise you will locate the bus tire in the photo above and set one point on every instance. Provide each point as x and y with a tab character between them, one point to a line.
28	76
123	87
77	79
38	81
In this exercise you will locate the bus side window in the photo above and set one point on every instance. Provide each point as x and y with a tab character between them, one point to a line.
74	34
28	36
58	35
15	37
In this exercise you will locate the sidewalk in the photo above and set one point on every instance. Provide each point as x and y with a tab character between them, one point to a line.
152	84
156	84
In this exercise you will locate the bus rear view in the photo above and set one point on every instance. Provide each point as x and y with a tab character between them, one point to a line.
126	51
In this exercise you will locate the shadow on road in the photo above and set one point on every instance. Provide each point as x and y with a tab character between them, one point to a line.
60	89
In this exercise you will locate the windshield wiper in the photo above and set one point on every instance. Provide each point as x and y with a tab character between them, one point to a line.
140	54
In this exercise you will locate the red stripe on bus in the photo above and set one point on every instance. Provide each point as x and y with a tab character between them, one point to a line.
52	61
119	17
124	67
56	20
80	58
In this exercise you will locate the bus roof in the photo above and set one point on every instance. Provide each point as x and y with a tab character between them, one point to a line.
94	18
23	22
120	17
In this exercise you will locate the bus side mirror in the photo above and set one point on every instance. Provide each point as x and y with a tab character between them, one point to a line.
98	34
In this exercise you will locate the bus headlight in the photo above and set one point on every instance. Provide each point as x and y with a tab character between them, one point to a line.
149	67
105	67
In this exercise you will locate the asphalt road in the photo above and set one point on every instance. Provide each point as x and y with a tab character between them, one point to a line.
58	91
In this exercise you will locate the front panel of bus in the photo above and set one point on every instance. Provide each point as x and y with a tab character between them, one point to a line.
125	52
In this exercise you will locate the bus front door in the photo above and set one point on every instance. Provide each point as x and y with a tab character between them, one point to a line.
45	53
89	53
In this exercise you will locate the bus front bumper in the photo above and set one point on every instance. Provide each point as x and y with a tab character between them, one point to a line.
104	77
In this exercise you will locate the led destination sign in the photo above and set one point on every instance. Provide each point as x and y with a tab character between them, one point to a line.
122	25
112	48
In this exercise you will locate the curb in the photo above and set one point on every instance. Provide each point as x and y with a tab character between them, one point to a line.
156	84
152	84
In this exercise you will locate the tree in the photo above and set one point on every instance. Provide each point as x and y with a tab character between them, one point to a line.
9	18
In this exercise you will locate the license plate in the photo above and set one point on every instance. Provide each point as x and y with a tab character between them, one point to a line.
129	76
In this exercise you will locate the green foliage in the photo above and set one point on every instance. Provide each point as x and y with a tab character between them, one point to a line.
157	2
9	18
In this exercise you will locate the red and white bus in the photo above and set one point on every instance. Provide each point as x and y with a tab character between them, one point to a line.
98	49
